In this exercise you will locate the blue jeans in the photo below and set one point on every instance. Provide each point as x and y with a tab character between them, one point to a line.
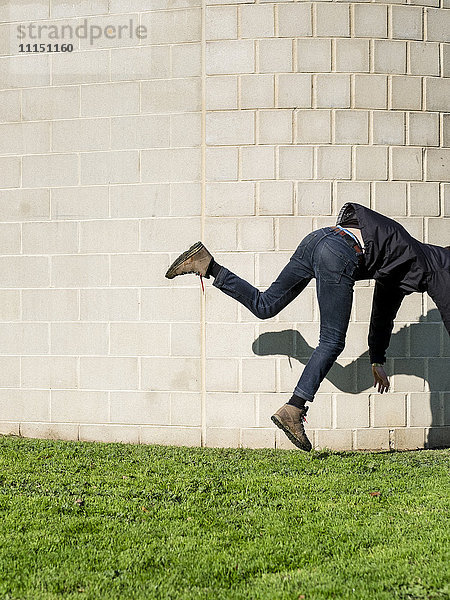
322	254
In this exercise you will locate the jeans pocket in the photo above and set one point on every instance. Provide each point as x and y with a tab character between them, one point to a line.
334	262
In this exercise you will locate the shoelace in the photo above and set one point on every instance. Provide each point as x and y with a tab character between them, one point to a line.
201	281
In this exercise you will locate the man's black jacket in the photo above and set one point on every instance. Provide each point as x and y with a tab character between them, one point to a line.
400	265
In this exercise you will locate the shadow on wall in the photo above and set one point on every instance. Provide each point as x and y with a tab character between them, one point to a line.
356	376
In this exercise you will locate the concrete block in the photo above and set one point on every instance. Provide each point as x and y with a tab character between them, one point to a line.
301	309
314	197
390	197
334	162
133	64
257	91
425	410
49	371
43	170
334	439
319	412
437	93
49	431
109	373
24	271
81	67
80	202
437	437
105	99
10	371
173	26
24	405
371	162
332	19
222	339
31	70
352	411
10	104
230	198
438	375
370	91
275	126
186	409
222	437
49	305
170	165
424	58
185	130
185	339
172	234
406	22
333	91
142	200
446	130
406	163
294	20
221	22
256	234
409	438
78	271
313	126
438	25
424	199
372	439
389	56
186	60
352	191
352	55
258	438
370	20
351	127
438	164
268	404
258	375
222	375
107	305
80	135
423	128
296	162
275	55
388	127
445	60
109	167
171	374
8	428
388	410
50	238
221	234
222	164
51	103
21	10
406	92
146	339
230	410
221	92
24	138
109	433
258	162
145	131
220	307
75	406
79	338
409	375
313	55
10	238
109	236
275	198
256	20
232	56
137	270
230	128
171	95
139	408
165	304
171	436
294	90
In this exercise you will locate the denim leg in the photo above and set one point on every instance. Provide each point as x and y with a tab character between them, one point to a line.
334	285
294	277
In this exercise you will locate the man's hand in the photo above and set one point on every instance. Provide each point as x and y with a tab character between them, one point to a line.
380	379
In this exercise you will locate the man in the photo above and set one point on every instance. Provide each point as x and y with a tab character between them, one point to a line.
363	245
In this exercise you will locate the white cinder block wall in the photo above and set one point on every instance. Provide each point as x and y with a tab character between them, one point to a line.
245	125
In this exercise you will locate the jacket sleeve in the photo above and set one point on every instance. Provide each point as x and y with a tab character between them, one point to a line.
385	305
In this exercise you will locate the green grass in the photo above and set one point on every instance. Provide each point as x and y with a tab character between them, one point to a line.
111	521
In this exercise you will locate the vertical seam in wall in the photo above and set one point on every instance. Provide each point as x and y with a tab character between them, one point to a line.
202	226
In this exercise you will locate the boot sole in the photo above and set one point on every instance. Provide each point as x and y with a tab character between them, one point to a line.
289	434
178	261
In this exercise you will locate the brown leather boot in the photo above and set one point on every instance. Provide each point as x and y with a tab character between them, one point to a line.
290	419
195	260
